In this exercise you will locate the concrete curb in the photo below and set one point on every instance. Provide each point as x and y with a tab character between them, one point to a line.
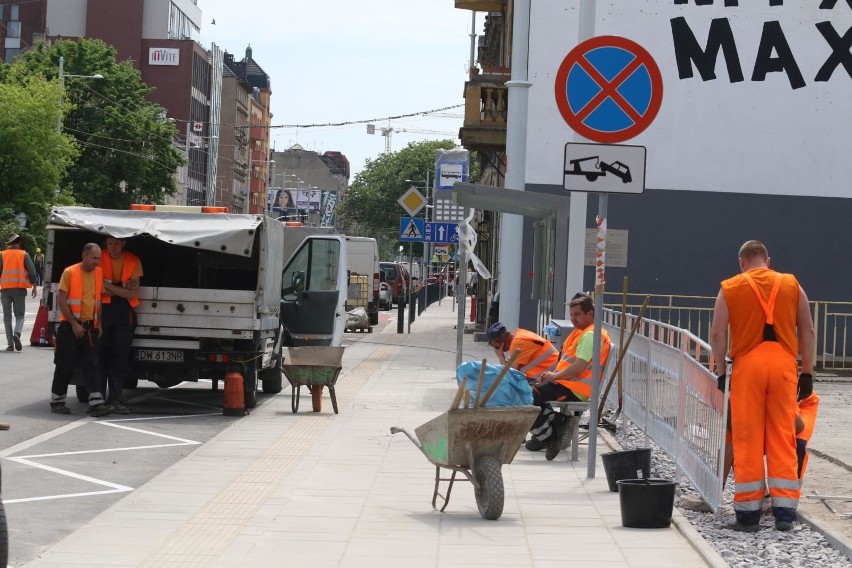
698	543
835	540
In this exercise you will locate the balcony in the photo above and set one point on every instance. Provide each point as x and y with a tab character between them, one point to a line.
486	102
481	5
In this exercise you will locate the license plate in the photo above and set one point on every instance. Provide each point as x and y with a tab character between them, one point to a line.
159	356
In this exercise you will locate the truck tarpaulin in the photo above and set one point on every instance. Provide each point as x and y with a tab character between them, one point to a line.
219	232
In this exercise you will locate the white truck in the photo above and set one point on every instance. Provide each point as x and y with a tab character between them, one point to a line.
362	263
218	291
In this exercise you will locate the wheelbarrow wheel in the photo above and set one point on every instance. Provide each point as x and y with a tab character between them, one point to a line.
489	495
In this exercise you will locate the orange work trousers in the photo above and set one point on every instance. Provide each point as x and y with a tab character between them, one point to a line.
763	413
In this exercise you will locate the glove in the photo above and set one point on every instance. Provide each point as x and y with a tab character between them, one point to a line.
806	386
721	381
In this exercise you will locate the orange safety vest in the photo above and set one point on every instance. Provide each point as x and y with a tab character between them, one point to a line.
582	385
131	261
542	359
75	292
14	272
777	306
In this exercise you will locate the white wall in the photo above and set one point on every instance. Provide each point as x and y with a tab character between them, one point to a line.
747	137
66	18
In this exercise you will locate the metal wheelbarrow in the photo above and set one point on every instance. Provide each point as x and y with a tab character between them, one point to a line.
314	367
475	442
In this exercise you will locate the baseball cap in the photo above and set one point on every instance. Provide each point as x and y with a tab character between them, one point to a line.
495	331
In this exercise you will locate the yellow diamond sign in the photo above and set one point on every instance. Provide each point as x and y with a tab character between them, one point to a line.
412	201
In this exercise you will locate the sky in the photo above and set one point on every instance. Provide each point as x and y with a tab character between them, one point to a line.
342	60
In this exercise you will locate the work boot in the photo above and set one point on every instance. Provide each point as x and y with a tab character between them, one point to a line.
119	408
17	339
59	408
783	525
4	426
534	445
10	349
97	410
740	527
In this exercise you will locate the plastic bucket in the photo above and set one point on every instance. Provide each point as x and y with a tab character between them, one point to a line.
646	503
627	464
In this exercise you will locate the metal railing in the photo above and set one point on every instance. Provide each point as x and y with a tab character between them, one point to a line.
672	397
832	322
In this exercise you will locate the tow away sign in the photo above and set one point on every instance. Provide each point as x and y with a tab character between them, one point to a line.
604	168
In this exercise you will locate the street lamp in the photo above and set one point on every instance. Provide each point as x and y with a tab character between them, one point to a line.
62	77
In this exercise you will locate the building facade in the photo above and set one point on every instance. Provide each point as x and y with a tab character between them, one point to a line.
315	184
22	23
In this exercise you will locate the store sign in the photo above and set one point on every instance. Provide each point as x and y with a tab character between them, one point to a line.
163	56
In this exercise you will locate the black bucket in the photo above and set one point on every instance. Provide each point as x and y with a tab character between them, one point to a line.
627	464
646	503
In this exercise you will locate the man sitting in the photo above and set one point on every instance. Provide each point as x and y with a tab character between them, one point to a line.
537	354
571	380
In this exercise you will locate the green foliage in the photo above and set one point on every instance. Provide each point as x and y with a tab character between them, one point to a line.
33	156
371	208
125	145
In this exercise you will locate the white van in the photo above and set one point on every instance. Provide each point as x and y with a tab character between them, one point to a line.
363	268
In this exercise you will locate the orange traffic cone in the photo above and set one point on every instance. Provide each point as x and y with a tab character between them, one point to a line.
233	402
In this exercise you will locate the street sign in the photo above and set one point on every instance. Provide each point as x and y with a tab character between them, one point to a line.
412	201
609	89
604	168
411	229
441	233
442	253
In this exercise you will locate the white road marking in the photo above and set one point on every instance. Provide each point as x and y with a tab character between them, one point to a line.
112	487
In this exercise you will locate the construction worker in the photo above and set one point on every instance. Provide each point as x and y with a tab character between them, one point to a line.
536	353
572	378
17	273
38	262
770	323
79	299
122	271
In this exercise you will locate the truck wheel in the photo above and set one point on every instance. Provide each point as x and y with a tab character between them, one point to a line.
82	394
374	317
131	382
250	385
271	377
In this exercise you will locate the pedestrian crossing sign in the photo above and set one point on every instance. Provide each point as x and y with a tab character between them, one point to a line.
411	229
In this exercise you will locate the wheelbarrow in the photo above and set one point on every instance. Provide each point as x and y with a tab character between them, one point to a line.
475	442
315	368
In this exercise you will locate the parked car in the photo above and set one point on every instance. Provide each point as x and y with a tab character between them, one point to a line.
397	277
385	301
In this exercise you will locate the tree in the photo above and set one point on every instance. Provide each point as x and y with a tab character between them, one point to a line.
33	155
371	207
126	151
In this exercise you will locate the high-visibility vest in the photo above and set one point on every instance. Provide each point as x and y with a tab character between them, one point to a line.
75	292
14	272
582	385
749	316
543	359
131	261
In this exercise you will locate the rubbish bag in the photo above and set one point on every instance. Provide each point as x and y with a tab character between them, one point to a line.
357	319
513	390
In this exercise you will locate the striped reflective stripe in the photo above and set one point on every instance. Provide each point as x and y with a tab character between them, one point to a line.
538	360
749	486
755	505
785	502
781	483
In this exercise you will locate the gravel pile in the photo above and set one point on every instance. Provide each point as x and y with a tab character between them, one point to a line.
801	546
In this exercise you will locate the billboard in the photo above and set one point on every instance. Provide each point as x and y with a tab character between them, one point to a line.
755	94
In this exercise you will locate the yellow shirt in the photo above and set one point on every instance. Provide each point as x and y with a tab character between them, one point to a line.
87	304
118	265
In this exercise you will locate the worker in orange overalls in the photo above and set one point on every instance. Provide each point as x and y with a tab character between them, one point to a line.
536	353
770	323
570	380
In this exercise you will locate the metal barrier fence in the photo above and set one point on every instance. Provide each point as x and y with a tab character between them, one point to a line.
672	397
832	322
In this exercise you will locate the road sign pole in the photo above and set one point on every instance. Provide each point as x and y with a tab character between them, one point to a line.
600	272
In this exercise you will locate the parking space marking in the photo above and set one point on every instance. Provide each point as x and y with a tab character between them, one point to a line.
111	487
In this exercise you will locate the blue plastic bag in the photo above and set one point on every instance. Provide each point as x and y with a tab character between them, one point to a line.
513	390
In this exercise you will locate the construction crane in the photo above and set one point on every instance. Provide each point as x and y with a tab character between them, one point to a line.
387	132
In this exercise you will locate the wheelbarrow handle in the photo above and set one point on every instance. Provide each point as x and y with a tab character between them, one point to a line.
407	432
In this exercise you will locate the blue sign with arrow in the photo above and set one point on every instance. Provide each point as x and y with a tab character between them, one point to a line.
441	233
